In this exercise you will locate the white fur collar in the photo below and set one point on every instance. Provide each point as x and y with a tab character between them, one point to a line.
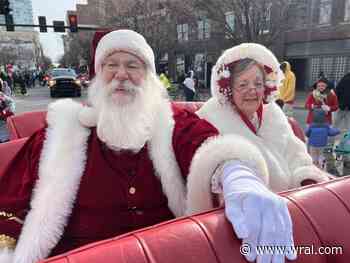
226	120
59	177
164	161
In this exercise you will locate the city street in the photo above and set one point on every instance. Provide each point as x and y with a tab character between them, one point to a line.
38	98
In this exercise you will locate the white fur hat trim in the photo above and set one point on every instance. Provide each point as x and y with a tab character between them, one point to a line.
246	50
124	40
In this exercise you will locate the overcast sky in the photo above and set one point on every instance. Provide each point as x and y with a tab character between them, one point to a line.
53	10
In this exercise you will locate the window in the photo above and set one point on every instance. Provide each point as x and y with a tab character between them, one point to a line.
347	11
340	68
182	32
325	12
199	65
203	29
230	21
180	65
267	18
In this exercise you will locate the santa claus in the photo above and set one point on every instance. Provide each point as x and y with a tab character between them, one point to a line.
129	160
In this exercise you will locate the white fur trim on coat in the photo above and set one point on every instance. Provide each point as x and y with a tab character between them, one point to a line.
213	152
283	152
308	172
59	177
88	116
165	163
6	255
255	51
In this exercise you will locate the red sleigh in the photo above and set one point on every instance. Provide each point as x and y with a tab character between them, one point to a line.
320	213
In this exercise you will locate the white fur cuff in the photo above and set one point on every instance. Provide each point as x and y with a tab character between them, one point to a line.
308	172
6	255
88	116
212	153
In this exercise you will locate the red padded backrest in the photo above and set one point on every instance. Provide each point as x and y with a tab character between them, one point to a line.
320	214
8	151
25	124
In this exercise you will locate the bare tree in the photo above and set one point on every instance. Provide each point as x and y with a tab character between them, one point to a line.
8	55
156	20
251	21
45	62
78	48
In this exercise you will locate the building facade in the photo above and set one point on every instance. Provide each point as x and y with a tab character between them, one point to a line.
319	40
22	13
21	49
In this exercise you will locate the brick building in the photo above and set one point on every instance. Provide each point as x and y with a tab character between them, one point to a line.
318	40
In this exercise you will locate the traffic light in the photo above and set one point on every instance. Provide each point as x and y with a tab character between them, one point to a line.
42	24
9	23
73	23
58	26
5	7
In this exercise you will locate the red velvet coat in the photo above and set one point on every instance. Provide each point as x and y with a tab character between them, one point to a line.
117	192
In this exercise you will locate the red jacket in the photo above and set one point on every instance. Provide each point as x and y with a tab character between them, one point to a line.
331	100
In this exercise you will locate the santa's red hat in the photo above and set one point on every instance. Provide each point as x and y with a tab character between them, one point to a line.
124	40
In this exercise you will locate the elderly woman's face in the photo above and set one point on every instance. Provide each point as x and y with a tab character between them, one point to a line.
248	90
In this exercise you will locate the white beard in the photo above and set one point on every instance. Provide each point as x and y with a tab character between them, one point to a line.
126	122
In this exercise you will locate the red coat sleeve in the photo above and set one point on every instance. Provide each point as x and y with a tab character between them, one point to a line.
309	101
17	183
332	101
189	133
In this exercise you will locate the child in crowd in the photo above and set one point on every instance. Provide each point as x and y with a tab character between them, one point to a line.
318	133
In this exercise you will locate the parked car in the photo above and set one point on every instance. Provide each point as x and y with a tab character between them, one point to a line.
64	81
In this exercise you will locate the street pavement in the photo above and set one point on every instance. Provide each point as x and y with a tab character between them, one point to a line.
37	99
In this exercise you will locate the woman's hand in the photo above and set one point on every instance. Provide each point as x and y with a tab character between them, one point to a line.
259	217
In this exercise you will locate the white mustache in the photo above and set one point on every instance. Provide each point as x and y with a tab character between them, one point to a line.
124	86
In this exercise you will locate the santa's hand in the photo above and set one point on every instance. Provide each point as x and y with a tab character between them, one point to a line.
325	107
258	216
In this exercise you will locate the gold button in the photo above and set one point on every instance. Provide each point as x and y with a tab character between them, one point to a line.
132	190
139	212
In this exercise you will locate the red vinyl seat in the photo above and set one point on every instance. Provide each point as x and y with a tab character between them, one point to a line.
320	214
8	151
25	124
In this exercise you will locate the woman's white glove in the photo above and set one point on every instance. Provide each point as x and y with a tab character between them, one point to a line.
326	108
258	216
